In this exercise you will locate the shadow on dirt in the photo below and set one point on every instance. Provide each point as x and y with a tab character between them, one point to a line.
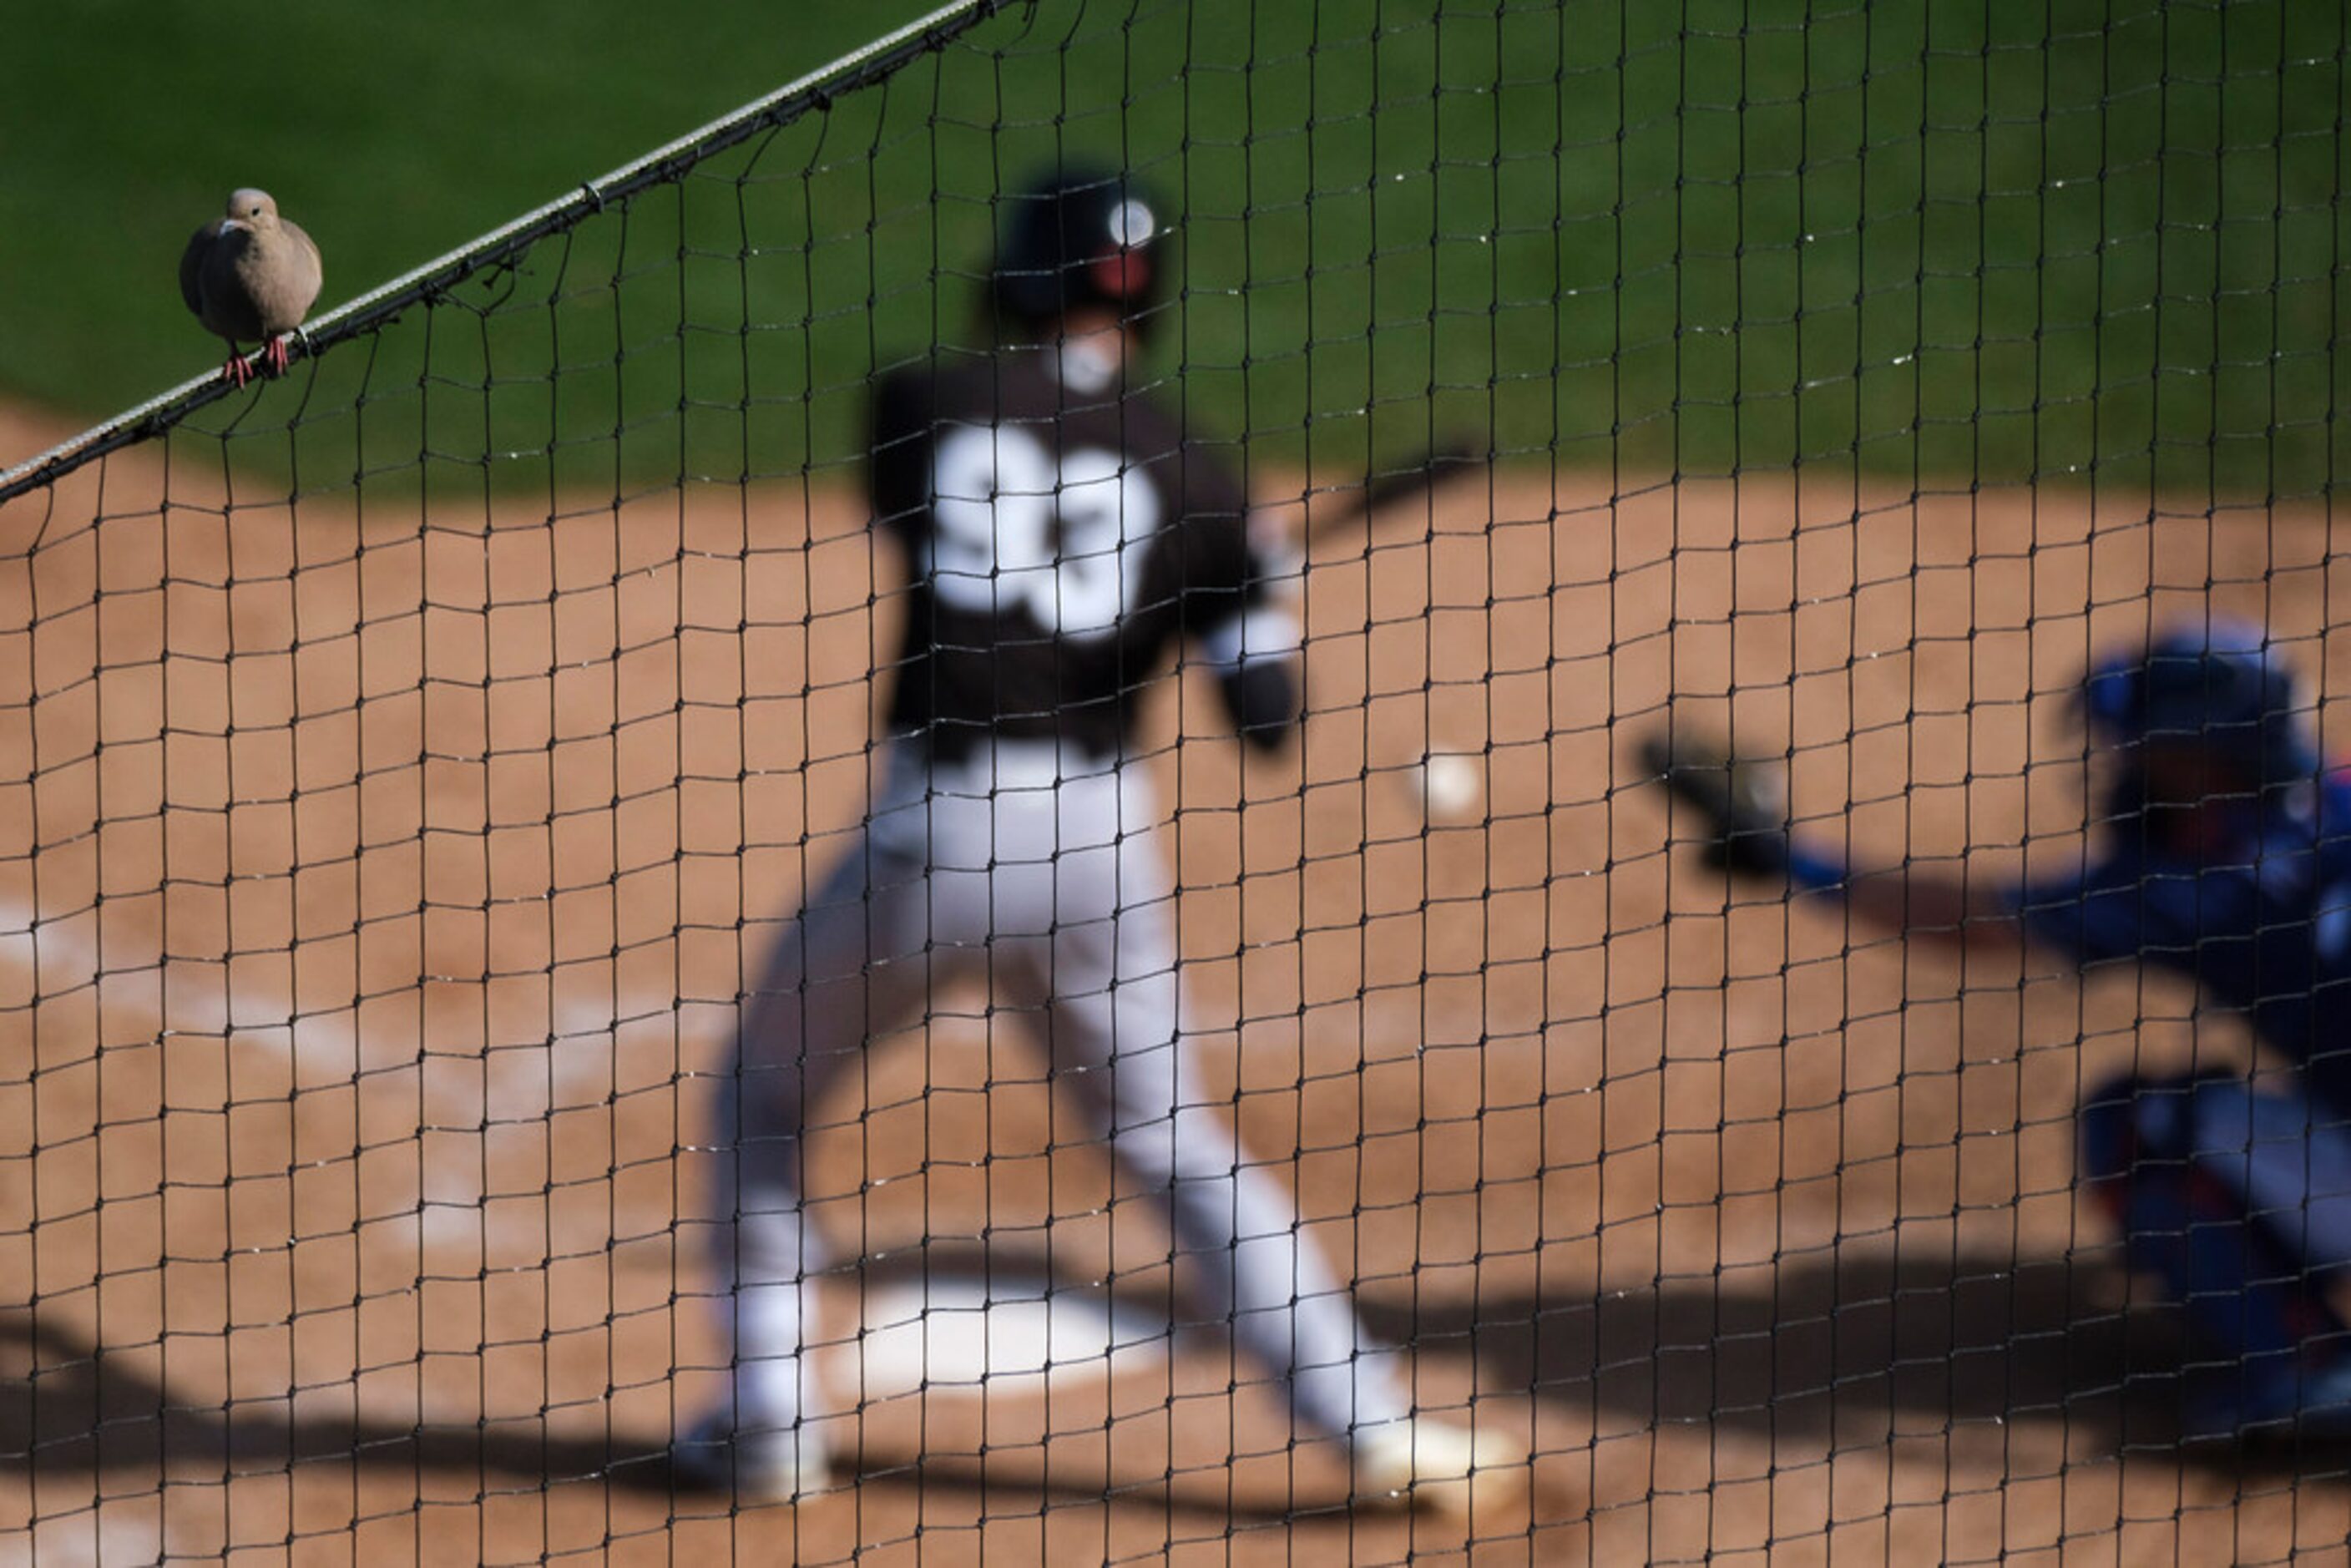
69	1407
1863	1348
1818	1352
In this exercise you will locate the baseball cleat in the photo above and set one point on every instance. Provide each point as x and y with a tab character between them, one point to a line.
763	1466
1426	1464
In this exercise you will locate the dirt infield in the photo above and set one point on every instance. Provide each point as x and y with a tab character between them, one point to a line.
375	892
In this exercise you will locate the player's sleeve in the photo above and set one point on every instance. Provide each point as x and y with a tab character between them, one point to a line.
897	478
1241	607
2119	906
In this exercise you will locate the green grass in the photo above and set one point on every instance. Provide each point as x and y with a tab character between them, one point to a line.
1985	241
393	132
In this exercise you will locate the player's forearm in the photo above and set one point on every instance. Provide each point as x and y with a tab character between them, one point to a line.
1743	808
1255	658
1917	901
1934	906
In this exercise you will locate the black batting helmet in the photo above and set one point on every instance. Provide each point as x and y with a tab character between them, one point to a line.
1077	239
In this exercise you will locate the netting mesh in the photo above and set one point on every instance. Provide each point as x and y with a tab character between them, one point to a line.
413	765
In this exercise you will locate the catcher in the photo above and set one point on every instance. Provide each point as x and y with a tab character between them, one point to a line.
2221	850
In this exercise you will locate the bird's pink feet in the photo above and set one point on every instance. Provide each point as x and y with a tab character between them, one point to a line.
236	372
273	356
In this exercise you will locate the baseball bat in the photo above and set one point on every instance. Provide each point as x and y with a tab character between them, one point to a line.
1440	786
1448	459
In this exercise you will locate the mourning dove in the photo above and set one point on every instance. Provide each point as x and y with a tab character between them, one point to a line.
250	276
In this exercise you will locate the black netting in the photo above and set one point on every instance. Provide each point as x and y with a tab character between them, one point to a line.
421	773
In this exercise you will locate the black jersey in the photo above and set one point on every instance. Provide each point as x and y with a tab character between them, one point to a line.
1059	543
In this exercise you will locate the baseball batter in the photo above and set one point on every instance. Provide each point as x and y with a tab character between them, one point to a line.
1063	540
2221	849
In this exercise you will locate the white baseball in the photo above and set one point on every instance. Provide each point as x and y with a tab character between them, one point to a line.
1450	784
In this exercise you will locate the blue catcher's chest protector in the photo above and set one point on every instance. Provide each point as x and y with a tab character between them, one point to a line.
2263	925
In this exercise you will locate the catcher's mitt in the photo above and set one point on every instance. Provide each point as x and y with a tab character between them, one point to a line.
1744	802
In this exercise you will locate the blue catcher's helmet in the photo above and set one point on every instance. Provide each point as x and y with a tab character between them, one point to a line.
1080	237
2216	682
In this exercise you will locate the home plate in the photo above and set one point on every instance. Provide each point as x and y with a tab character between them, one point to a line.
964	1330
966	1363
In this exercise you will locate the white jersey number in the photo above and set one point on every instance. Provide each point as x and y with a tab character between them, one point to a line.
1014	531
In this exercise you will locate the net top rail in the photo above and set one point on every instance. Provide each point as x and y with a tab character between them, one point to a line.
383	303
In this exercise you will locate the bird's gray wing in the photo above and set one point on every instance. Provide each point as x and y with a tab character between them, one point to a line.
192	264
309	267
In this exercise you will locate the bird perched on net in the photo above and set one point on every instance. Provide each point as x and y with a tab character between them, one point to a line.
250	276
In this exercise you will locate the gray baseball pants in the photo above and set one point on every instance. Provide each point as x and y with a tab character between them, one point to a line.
1040	872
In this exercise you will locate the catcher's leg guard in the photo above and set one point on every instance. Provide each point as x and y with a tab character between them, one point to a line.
2212	1185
